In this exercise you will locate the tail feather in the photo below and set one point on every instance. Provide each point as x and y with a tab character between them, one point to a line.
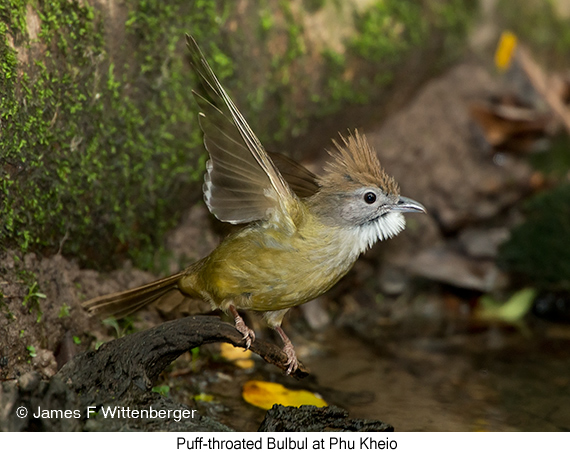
121	304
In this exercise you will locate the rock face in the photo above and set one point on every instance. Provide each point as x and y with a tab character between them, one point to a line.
434	152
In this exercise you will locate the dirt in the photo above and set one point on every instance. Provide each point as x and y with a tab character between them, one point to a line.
41	300
41	313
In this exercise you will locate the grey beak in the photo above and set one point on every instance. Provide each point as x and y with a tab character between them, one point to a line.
408	205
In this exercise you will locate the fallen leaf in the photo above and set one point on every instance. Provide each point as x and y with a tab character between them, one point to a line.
505	50
510	312
203	397
507	126
264	394
237	356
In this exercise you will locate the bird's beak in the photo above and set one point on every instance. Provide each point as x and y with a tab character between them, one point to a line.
408	205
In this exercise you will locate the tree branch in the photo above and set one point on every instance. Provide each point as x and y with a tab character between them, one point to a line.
136	360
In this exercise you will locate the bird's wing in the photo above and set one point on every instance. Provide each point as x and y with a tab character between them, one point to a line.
302	181
242	184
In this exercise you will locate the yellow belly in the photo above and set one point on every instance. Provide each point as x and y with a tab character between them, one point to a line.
264	269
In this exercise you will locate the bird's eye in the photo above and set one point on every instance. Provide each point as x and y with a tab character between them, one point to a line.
369	198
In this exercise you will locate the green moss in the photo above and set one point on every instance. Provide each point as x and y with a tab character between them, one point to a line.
538	249
389	29
387	32
13	15
339	88
163	390
313	5
282	84
266	22
98	146
453	20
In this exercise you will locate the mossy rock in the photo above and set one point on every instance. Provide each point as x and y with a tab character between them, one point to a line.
99	139
101	151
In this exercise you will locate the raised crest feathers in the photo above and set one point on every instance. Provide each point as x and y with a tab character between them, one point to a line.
354	161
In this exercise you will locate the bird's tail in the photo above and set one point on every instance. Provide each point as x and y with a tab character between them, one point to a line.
121	304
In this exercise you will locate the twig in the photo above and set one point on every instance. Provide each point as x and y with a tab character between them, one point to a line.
543	85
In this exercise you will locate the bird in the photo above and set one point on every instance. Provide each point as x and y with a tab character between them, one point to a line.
301	232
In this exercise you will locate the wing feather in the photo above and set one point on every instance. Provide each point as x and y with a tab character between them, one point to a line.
242	183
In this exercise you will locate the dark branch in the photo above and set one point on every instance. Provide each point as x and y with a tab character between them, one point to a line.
136	360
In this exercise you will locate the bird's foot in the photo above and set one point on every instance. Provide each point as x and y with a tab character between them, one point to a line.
292	362
248	333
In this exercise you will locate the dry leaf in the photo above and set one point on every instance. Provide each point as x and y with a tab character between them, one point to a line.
264	394
509	126
236	355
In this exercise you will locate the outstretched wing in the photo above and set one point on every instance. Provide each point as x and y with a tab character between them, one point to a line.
302	181
242	184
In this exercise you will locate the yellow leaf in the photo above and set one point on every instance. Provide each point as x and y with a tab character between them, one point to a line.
505	50
264	394
238	356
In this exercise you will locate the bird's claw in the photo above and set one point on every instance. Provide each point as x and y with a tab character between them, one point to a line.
248	333
292	362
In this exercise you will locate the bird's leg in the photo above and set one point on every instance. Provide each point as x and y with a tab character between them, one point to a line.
248	333
292	361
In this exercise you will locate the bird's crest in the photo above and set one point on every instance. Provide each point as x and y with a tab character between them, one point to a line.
355	163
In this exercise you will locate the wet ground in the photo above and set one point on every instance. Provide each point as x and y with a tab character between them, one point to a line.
452	376
420	363
447	389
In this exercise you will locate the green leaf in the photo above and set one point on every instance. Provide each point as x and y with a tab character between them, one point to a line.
510	312
163	390
32	351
